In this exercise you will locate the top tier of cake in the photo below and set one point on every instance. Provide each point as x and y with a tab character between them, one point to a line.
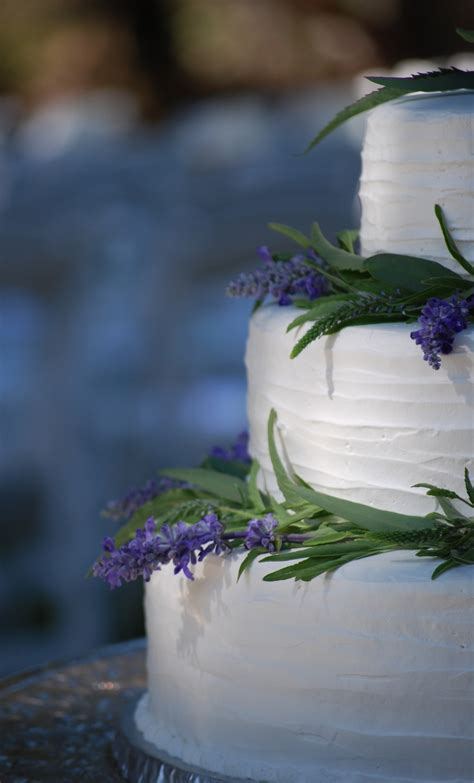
419	151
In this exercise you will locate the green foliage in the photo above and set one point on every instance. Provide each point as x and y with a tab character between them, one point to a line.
222	485
347	238
364	104
291	233
317	533
286	486
158	508
407	272
337	257
442	80
249	559
469	487
467	35
356	312
450	243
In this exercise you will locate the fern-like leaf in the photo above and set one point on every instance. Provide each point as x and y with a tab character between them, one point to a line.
443	80
364	104
359	311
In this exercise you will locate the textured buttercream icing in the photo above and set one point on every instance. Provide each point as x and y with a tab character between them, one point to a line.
362	676
419	151
360	414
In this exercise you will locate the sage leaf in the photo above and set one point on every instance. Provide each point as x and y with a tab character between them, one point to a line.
249	559
407	272
254	494
219	484
291	233
443	567
366	517
336	257
347	238
285	484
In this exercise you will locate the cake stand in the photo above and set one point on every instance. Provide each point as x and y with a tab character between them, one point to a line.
72	722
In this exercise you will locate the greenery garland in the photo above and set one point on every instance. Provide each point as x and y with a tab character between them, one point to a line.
314	533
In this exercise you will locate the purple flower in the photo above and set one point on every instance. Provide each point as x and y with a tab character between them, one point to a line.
180	544
137	557
136	497
238	451
440	321
283	280
189	543
261	533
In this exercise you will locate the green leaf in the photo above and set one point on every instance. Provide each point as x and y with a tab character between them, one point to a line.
446	565
469	486
285	484
407	272
366	103
323	306
366	517
439	492
446	494
353	313
442	80
347	238
291	233
449	282
156	508
336	257
311	568
285	520
467	35
249	559
307	567
445	79
450	243
218	484
255	496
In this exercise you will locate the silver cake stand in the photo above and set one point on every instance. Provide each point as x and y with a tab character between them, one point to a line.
140	762
72	722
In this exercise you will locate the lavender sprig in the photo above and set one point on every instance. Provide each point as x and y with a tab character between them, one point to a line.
238	451
180	544
136	497
261	533
283	280
440	321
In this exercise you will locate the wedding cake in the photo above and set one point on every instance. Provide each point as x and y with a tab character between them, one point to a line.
364	674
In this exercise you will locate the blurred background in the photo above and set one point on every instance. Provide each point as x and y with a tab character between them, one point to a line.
144	146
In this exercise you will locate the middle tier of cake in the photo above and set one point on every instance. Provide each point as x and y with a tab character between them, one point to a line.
360	414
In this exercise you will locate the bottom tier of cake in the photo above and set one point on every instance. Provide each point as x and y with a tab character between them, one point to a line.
364	675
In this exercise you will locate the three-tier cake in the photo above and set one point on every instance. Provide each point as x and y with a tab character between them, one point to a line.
365	674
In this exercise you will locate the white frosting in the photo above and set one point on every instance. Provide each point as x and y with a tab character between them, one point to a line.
362	676
419	151
361	415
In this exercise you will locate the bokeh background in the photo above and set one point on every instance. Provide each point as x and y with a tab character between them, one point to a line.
144	146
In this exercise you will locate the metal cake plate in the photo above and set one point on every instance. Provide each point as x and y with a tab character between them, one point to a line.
140	762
